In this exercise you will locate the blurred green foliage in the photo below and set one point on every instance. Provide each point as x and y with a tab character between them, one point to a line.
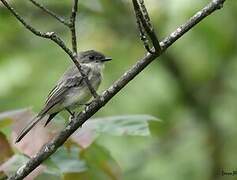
192	87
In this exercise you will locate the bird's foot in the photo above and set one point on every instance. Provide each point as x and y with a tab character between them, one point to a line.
71	118
87	105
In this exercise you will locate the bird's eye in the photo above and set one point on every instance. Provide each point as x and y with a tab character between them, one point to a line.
91	57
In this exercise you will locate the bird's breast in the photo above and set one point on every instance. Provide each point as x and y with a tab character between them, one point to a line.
78	96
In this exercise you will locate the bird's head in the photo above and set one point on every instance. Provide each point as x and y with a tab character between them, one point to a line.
92	57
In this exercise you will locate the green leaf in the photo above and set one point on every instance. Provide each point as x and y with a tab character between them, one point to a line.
52	168
133	125
68	161
101	164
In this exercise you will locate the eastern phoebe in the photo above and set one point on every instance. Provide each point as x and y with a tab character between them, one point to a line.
71	90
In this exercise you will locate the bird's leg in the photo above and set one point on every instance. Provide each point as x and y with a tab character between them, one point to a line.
72	114
86	104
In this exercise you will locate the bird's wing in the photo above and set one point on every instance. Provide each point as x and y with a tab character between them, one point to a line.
71	71
70	79
57	94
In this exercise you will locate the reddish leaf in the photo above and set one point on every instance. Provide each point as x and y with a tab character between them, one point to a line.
36	138
86	135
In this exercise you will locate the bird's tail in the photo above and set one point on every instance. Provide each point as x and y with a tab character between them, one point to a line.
28	128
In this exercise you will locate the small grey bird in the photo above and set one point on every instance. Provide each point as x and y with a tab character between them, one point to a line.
71	90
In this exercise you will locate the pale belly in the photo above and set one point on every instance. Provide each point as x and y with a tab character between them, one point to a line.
78	96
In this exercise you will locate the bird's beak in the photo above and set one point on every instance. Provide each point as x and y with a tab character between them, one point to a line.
106	59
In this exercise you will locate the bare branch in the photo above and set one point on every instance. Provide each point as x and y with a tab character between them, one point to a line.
54	15
48	35
145	13
143	21
98	103
33	30
52	36
143	34
72	25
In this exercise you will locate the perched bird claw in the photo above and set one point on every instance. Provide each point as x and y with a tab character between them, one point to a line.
87	106
71	118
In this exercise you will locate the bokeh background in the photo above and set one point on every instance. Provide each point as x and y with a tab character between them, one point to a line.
192	88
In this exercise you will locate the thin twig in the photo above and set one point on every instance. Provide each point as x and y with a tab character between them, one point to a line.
141	29
48	35
72	26
33	30
60	19
142	32
55	38
145	13
143	18
98	103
